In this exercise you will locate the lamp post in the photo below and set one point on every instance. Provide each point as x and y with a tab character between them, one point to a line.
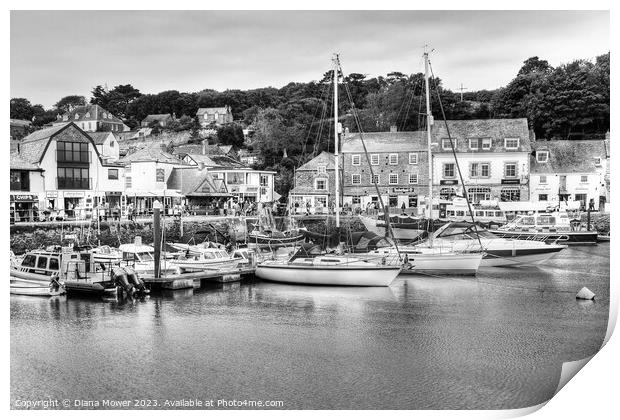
157	236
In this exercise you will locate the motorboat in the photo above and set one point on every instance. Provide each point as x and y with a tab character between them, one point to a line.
209	259
141	258
274	238
107	254
498	252
548	227
194	250
88	276
404	228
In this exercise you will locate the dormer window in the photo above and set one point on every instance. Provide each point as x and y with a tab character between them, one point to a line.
445	144
76	116
65	117
597	161
542	156
474	144
511	143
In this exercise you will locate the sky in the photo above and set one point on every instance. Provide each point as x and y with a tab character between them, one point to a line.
60	53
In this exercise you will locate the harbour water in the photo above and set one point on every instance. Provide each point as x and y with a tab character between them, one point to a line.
495	341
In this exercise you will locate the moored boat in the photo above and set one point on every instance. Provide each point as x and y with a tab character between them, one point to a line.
20	286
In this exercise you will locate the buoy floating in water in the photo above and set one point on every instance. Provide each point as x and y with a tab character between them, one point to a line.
585	294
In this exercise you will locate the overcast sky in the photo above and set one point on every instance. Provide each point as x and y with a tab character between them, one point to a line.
58	53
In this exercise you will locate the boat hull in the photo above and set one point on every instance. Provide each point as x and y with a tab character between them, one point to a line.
328	276
444	264
270	242
569	238
83	287
35	288
193	265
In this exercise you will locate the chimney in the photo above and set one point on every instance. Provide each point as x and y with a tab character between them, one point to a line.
201	166
393	129
204	147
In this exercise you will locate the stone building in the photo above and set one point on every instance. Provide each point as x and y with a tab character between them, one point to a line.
218	116
399	162
314	185
493	155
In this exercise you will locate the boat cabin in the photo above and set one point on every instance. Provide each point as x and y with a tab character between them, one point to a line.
543	222
140	253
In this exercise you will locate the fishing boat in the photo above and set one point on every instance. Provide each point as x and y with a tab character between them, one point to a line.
498	251
330	269
548	227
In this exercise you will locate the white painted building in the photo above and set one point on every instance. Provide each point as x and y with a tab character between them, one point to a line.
569	170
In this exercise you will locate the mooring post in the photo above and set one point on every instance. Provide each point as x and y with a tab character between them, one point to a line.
588	221
157	236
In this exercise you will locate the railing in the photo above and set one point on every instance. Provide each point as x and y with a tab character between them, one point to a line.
73	183
69	156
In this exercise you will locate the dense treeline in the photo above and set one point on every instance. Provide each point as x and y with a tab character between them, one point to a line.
292	123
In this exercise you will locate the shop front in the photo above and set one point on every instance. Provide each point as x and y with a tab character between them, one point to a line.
24	207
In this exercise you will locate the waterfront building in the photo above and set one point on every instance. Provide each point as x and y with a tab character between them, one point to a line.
314	185
217	116
570	170
493	155
92	118
75	175
146	178
399	162
241	181
162	120
26	181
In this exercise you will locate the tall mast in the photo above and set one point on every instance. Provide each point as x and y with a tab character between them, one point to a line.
337	169
429	122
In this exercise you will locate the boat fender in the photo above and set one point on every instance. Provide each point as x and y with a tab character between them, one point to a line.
383	261
585	294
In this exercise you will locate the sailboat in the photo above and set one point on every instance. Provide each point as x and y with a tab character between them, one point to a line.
331	269
427	258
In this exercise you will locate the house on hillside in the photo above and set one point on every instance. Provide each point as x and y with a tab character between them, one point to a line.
92	118
569	171
218	116
162	119
107	145
314	185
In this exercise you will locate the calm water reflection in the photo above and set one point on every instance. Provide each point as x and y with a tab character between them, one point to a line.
495	341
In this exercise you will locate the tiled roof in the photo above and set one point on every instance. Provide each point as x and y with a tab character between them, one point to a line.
32	146
192	179
17	162
496	129
400	141
226	162
100	137
219	110
226	148
156	117
567	156
323	159
190	148
94	112
151	154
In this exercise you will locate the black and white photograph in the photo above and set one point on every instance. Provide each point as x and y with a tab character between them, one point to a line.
307	209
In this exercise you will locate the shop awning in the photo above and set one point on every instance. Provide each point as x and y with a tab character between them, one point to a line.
25	198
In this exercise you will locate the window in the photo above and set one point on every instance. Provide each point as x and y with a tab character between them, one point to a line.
356	199
72	152
112	173
393	159
160	175
597	161
584	178
65	117
20	181
413	158
374	159
112	144
542	156
474	144
393	179
476	194
445	144
413	178
54	264
355	160
543	197
88	115
127	182
322	169
448	170
356	179
511	143
510	194
447	193
320	184
29	260
486	143
510	170
542	179
76	117
73	178
42	262
374	179
264	181
235	178
479	170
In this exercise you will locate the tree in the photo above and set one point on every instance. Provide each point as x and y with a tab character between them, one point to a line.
67	103
21	109
99	96
231	134
535	65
